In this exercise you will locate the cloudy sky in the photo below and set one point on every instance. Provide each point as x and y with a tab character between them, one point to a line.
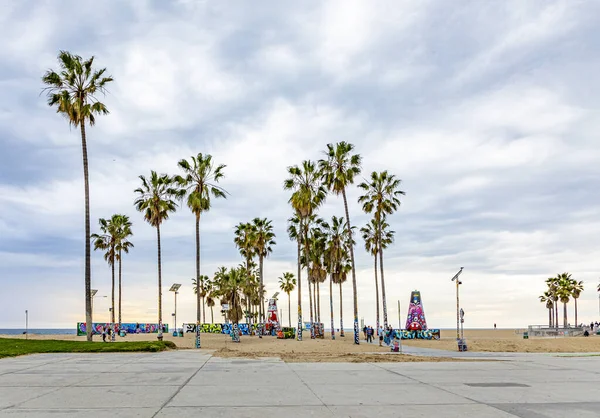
487	111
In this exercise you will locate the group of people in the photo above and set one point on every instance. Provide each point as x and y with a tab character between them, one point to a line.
385	335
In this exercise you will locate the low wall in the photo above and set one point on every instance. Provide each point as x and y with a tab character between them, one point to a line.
130	328
538	331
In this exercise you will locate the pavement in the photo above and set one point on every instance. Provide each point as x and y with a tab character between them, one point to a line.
190	383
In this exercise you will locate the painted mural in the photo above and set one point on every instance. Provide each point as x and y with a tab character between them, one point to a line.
429	334
244	329
129	328
415	320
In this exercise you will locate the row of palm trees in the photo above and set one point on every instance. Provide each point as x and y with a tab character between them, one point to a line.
561	288
309	183
323	248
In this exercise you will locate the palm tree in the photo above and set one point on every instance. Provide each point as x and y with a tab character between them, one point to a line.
287	284
338	171
210	302
547	299
156	199
263	246
106	241
552	283
381	196
564	291
204	289
294	231
308	194
316	262
200	183
73	90
230	288
122	245
576	289
369	234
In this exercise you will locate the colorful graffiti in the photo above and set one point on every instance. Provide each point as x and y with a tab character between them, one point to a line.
429	334
129	328
415	320
235	333
287	333
244	329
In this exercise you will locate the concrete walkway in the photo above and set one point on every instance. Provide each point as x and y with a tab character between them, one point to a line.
192	383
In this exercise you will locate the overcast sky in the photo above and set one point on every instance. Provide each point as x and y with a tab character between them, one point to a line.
487	111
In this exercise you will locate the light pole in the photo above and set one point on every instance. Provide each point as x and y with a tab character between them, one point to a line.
175	289
399	319
26	324
458	282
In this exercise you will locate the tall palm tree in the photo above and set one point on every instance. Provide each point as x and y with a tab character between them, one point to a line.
200	183
264	240
122	245
210	302
287	284
338	171
576	289
156	198
308	194
294	231
106	241
382	197
564	291
74	90
547	299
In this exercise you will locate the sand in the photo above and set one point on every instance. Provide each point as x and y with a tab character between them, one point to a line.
343	349
511	341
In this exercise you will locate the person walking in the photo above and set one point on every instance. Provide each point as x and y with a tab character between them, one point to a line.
365	328
369	334
380	332
104	334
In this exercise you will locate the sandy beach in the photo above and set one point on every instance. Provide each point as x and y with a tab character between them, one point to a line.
343	349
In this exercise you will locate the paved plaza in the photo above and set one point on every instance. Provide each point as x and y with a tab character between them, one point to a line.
189	383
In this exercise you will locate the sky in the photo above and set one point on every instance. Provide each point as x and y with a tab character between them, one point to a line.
487	112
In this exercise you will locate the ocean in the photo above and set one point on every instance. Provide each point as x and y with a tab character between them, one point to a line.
46	331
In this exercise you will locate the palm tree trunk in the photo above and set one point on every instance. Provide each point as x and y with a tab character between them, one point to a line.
575	311
120	288
203	309
299	331
88	263
383	298
112	297
262	298
198	317
376	291
341	314
354	290
319	302
331	306
552	311
564	315
289	310
310	300
556	314
212	319
160	332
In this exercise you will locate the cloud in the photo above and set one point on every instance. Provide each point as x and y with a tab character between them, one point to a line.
487	112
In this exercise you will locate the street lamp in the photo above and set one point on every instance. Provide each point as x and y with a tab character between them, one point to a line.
175	289
458	282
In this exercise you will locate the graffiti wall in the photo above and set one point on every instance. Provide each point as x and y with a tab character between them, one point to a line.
130	328
244	329
429	334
